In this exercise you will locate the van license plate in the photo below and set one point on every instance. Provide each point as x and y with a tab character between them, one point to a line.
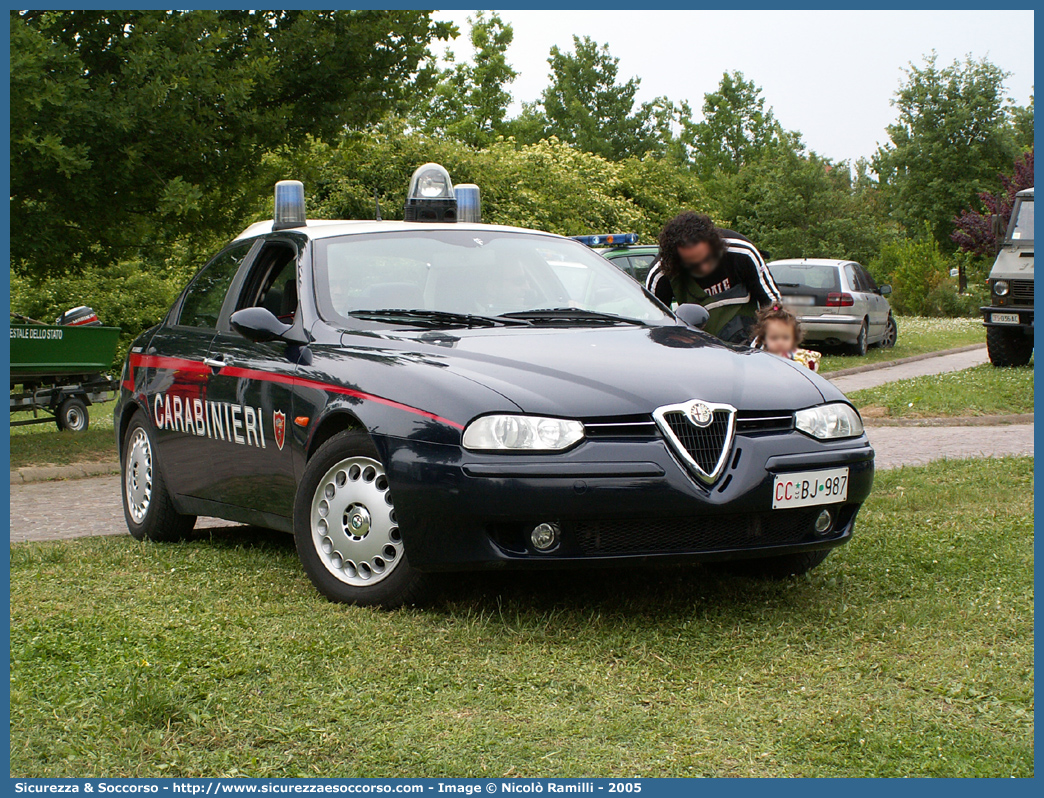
1004	318
799	301
804	488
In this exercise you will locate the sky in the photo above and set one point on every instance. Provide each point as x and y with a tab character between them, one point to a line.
829	74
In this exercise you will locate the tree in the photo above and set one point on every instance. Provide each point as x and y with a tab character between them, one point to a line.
132	128
974	231
795	204
950	140
669	122
1022	122
736	127
585	106
471	99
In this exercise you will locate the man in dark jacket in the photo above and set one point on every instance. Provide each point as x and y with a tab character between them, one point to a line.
713	267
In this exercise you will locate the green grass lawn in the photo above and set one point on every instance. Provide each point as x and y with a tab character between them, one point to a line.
908	653
917	335
44	444
979	391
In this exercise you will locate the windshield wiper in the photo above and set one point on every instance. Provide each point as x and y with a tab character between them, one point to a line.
434	317
788	285
570	315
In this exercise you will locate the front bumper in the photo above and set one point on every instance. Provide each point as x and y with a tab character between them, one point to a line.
1025	316
615	501
831	327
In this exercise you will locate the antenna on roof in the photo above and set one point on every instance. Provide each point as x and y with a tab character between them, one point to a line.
377	202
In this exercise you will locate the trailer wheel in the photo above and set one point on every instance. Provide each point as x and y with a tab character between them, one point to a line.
72	415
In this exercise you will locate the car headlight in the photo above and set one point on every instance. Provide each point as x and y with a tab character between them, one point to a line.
826	422
1000	287
522	434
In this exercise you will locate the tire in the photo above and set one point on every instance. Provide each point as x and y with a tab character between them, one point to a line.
147	505
1008	347
780	566
859	347
345	527
72	415
891	334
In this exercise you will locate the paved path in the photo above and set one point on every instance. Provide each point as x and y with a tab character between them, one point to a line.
82	507
896	446
920	368
72	508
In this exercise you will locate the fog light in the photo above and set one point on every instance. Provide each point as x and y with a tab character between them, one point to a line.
544	536
824	521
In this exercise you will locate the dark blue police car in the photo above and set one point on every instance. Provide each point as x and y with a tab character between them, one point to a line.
439	394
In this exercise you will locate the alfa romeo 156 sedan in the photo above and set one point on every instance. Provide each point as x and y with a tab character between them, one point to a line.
416	397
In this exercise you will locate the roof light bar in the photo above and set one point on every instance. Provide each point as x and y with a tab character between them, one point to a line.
608	239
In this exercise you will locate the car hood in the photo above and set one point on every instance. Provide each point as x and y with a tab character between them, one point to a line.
1013	263
615	371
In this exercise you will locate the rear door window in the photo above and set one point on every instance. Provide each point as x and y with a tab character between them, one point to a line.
869	284
853	280
201	306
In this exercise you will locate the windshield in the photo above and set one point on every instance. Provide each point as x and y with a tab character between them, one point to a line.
805	275
474	272
1021	228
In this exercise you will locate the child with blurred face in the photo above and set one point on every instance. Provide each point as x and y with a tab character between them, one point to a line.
778	331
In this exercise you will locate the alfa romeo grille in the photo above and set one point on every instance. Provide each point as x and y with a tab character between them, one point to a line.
703	447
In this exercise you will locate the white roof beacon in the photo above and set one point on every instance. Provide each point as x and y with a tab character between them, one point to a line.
431	197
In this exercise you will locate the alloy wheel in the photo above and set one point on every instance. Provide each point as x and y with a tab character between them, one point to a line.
139	475
353	524
891	334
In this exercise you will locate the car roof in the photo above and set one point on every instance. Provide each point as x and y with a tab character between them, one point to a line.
329	228
811	262
1026	192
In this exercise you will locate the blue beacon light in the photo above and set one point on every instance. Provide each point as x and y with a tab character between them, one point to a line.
289	205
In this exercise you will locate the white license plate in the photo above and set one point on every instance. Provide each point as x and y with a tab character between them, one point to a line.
1004	318
805	488
799	300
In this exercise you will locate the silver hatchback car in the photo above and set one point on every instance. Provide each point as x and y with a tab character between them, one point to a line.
837	301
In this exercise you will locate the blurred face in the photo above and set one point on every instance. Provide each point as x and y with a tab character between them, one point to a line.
779	337
699	258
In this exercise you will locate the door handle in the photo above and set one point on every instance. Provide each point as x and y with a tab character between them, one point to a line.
217	364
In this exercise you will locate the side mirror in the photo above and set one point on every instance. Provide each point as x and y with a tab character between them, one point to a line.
260	325
693	315
885	290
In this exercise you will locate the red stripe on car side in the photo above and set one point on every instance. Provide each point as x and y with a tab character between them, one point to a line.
197	367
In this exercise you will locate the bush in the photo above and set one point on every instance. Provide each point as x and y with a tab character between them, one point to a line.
919	274
549	185
943	300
